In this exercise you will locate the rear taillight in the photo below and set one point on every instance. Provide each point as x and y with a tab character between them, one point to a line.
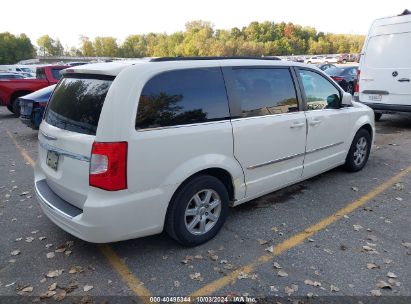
357	84
336	78
108	165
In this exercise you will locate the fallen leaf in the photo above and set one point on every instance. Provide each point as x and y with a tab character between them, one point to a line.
328	251
52	287
354	189
67	252
196	276
270	249
282	273
276	265
391	275
398	186
47	294
42	238
275	229
72	286
187	259
54	273
88	287
198	257
334	288
177	284
262	242
372	266
311	240
15	252
75	269
273	288
214	257
375	293
368	248
29	239
289	290
19	239
406	244
357	227
27	289
372	238
34	231
50	255
310	295
383	285
242	275
48	246
60	296
399	199
60	249
223	261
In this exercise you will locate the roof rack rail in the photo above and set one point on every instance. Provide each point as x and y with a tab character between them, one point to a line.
161	59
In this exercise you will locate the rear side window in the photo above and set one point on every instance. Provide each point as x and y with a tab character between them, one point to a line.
264	91
183	97
76	103
56	73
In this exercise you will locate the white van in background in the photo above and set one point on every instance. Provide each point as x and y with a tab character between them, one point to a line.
385	66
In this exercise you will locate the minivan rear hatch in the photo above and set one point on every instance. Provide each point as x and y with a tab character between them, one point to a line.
67	134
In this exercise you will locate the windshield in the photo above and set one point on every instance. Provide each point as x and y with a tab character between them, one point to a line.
77	102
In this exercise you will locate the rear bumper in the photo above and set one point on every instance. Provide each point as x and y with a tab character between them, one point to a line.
104	219
388	107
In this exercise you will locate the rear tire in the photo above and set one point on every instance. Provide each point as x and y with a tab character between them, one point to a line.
16	107
10	108
359	151
197	211
377	116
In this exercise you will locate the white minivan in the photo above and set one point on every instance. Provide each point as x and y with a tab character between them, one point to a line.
385	66
129	149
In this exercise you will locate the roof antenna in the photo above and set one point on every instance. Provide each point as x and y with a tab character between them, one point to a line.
405	12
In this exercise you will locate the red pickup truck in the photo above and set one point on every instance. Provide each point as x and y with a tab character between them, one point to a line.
12	89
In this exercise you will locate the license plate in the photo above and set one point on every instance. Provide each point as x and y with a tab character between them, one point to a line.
375	97
52	160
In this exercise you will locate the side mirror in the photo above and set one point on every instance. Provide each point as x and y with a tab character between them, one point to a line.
346	100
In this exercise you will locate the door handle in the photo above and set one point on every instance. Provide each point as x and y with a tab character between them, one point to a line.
404	80
315	122
297	125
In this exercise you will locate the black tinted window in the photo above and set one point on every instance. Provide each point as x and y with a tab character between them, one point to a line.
182	97
264	91
77	102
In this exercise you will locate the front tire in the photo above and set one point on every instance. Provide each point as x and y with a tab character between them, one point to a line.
377	116
359	151
197	211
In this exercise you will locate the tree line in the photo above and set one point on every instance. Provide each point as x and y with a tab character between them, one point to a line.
199	38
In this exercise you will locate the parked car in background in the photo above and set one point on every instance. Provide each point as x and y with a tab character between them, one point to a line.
385	66
8	75
342	58
314	59
12	89
325	66
330	59
346	77
127	150
32	106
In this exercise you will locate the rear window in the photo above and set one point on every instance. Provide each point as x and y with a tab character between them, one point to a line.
389	51
77	102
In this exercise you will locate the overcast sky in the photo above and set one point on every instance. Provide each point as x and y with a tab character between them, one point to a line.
67	20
